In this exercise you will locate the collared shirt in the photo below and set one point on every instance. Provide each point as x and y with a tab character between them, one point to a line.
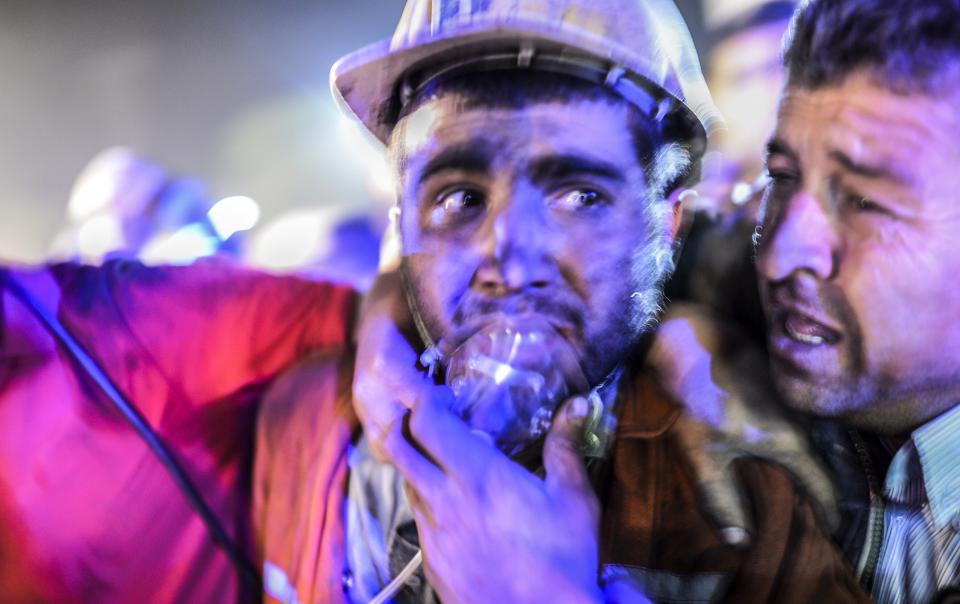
381	534
920	555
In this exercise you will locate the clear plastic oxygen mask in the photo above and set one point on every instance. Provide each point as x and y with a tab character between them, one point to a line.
509	377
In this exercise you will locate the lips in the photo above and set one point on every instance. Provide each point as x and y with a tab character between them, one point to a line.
804	329
807	336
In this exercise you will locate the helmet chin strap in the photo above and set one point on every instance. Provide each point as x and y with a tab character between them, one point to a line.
430	357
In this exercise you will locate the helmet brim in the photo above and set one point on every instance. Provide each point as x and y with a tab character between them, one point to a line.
366	83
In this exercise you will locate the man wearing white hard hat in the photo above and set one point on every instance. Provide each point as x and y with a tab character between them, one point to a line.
540	150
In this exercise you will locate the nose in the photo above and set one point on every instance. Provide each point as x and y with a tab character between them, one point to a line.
797	237
515	249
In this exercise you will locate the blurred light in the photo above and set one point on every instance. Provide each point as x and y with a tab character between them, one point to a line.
369	153
115	180
233	214
420	126
292	241
382	183
91	195
719	13
181	247
741	193
98	236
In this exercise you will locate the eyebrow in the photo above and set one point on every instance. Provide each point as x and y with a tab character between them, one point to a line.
557	167
778	146
862	169
474	156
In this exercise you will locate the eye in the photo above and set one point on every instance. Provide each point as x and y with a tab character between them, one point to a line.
578	198
453	205
865	204
459	199
780	187
780	177
862	204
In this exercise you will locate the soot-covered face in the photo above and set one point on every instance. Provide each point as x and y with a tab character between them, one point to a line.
541	211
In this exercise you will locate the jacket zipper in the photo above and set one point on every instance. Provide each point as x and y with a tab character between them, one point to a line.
874	540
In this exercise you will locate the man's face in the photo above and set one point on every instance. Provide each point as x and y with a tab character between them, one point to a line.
858	260
540	211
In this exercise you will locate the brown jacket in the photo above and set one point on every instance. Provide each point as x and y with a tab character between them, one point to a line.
653	532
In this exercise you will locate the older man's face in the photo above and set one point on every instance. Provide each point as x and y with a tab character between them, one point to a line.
537	212
859	255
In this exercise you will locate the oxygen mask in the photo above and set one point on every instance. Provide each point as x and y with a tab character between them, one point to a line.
509	377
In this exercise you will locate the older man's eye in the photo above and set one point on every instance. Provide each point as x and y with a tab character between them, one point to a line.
865	204
778	178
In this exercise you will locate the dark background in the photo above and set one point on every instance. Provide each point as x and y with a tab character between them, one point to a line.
235	94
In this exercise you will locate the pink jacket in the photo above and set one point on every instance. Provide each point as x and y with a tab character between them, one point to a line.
87	514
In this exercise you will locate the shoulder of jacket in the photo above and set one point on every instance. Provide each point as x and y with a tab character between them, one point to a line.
315	389
646	411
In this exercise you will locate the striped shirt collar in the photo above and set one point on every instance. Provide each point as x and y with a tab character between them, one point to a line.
927	469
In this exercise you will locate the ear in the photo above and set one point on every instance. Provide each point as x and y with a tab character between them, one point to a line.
674	218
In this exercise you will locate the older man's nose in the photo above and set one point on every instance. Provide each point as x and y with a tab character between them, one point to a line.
515	252
798	237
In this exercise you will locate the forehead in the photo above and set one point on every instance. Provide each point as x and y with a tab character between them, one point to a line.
869	124
587	127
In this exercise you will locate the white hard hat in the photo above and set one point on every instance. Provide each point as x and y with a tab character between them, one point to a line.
639	48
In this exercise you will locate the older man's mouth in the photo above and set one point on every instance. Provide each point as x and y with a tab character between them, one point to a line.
802	340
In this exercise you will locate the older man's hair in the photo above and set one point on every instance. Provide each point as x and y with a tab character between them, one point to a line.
910	45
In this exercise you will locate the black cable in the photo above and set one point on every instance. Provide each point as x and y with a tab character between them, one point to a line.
143	428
